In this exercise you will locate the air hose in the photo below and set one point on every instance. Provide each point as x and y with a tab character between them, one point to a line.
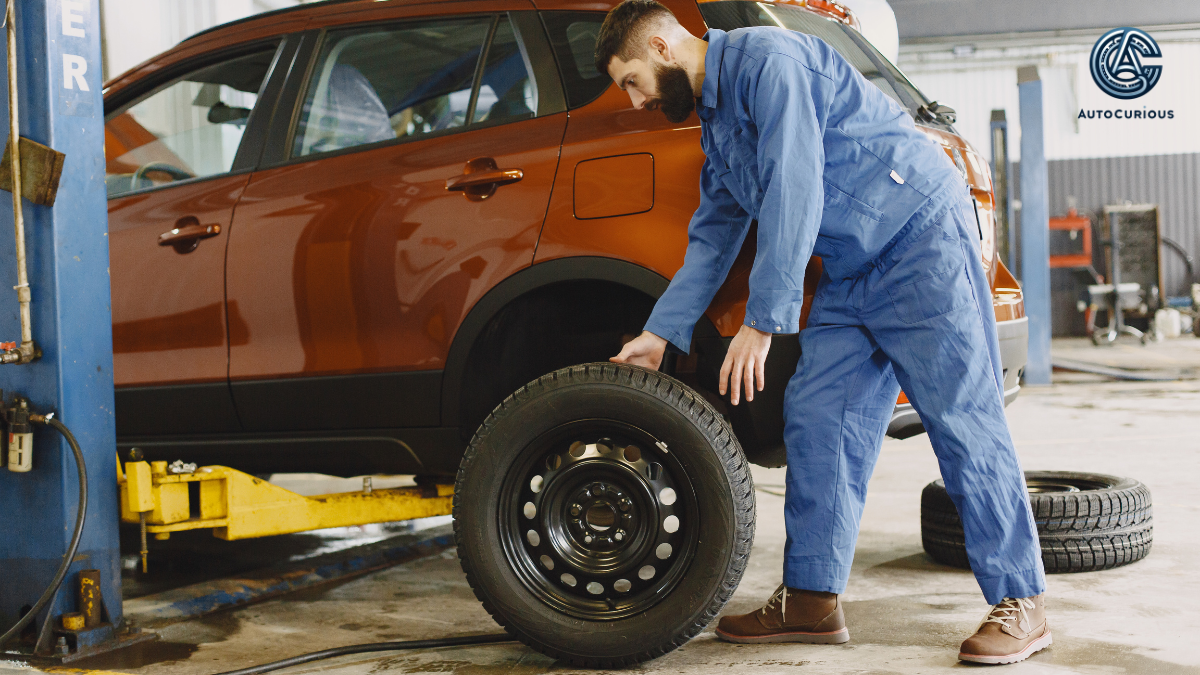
80	517
374	647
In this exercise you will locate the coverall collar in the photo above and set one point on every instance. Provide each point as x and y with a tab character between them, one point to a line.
712	66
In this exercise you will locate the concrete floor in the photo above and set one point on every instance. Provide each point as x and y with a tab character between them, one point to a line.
905	613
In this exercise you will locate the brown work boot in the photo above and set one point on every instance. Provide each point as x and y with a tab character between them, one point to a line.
789	616
1011	632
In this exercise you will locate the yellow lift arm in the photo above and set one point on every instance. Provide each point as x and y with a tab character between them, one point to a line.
237	505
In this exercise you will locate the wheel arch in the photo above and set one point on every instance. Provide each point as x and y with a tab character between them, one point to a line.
529	281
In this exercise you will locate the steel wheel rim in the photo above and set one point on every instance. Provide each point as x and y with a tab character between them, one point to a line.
594	529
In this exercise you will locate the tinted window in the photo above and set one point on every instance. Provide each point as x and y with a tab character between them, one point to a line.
506	91
573	37
189	128
383	83
731	14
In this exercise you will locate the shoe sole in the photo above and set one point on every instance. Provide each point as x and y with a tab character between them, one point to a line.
1035	646
836	637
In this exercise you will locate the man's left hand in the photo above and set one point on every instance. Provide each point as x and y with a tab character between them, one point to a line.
744	364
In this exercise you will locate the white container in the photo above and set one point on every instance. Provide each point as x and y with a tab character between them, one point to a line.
1168	323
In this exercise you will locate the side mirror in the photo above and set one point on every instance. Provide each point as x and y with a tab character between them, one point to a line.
936	112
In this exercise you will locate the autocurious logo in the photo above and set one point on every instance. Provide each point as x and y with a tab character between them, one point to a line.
1117	66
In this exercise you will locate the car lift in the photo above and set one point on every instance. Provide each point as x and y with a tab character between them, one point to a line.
60	374
237	505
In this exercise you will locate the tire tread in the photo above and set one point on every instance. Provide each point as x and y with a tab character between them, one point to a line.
1080	531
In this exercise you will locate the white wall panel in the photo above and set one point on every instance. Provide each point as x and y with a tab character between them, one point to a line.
986	80
136	30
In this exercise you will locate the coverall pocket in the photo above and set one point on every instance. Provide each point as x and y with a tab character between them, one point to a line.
932	296
835	197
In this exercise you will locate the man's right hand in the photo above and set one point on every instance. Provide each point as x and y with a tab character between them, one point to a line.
646	350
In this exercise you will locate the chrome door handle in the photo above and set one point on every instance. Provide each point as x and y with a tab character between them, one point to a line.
499	177
187	233
480	178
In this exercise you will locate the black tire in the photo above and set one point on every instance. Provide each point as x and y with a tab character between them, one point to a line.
574	429
1085	521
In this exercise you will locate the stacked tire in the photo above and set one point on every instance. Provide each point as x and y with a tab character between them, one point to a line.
1085	522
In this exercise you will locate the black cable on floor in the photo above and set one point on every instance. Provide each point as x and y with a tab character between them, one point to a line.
374	647
80	517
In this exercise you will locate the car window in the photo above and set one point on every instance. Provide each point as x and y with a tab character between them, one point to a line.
190	128
573	37
506	90
731	14
383	83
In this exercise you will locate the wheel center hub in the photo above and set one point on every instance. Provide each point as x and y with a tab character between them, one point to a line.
601	517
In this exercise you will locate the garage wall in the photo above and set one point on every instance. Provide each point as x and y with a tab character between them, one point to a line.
1170	181
135	30
983	77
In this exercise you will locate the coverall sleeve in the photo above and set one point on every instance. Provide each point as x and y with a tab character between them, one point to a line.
715	237
786	101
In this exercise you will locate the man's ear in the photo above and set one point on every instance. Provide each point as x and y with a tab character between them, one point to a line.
661	48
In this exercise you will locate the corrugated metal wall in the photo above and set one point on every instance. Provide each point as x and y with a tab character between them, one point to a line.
1170	181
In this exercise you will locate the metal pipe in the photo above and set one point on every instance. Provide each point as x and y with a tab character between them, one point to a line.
26	352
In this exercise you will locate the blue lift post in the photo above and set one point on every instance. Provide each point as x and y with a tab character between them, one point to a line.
1001	177
1035	227
59	78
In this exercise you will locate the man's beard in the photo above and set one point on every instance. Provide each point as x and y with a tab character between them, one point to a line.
675	95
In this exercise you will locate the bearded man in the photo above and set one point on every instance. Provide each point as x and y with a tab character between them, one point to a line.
795	138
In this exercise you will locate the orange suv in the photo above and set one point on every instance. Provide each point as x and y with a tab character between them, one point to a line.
342	234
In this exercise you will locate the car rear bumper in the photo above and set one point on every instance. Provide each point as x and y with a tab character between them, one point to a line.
1014	351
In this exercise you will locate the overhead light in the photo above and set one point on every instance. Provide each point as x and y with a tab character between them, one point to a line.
963	50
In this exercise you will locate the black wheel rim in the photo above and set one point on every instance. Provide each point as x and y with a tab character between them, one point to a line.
598	519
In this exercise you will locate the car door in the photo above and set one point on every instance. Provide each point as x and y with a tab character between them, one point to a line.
173	152
416	175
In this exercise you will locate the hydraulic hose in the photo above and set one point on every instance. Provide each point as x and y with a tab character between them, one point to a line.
80	517
374	647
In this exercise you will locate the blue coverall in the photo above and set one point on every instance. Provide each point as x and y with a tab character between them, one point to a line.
797	139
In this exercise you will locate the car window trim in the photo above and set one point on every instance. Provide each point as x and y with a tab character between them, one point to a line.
560	69
151	84
249	155
289	152
480	66
256	124
284	118
535	46
291	104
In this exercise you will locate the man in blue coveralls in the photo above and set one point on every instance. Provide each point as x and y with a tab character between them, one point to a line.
797	139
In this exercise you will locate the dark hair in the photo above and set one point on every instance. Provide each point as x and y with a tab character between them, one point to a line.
623	28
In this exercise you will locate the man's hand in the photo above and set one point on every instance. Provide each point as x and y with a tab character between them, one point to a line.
644	350
744	363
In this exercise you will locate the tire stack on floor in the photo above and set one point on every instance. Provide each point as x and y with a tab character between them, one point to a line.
1085	521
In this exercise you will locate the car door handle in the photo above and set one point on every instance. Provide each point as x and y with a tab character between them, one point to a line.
499	177
480	178
187	233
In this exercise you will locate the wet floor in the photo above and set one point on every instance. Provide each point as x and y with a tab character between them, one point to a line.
906	614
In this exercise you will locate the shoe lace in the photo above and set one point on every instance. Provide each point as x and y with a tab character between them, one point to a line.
1009	612
781	596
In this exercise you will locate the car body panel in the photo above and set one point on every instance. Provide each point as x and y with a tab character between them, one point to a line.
364	262
169	314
